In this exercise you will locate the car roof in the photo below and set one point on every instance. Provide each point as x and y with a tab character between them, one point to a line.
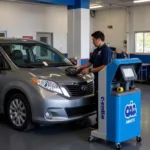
18	40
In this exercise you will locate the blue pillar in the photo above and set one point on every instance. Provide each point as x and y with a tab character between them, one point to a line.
79	30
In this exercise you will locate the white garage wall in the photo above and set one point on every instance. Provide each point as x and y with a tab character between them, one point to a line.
116	17
24	19
91	31
140	22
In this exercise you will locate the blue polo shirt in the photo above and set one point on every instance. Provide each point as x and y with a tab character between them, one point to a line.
100	56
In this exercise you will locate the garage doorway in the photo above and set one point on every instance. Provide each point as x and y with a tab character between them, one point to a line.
45	37
3	34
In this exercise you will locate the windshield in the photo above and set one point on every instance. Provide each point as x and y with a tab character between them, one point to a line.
35	55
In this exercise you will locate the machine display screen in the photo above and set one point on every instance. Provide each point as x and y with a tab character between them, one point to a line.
128	72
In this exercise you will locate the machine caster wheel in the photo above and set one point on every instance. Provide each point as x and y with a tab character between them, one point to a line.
118	146
90	139
139	139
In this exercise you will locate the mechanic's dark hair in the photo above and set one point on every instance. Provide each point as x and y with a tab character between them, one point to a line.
98	34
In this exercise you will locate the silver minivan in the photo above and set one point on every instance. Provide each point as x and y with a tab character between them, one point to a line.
34	87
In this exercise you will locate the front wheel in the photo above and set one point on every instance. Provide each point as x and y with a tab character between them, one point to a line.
18	112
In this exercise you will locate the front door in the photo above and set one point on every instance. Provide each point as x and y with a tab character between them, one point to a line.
45	37
4	67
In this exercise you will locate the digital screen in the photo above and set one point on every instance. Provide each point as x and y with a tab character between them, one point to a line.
128	72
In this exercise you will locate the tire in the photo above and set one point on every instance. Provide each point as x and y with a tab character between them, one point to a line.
139	139
118	147
18	112
91	139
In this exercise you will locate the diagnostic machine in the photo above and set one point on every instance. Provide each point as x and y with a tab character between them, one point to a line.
119	102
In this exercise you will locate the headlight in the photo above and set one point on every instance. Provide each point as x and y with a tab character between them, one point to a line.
49	85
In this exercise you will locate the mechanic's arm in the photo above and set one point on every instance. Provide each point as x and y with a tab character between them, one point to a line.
97	69
86	65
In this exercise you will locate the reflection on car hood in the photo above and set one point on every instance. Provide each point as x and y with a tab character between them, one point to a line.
57	74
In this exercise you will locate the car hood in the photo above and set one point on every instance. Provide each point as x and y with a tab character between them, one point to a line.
57	74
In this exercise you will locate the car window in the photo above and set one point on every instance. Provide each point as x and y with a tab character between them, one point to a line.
42	53
35	54
15	47
3	63
16	52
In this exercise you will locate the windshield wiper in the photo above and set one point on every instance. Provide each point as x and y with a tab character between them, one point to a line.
41	65
27	66
61	64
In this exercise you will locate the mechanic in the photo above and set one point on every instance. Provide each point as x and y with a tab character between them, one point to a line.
100	57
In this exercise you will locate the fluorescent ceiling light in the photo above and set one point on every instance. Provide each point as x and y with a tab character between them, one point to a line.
141	1
95	6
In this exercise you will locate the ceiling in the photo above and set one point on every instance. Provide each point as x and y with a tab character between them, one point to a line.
103	3
116	3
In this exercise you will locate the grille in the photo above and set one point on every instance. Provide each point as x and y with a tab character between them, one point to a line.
80	90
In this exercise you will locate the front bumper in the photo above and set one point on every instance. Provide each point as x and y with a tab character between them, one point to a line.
61	109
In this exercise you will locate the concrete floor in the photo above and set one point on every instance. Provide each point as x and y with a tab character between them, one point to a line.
68	137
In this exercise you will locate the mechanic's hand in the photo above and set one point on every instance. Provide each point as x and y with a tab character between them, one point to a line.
85	71
79	68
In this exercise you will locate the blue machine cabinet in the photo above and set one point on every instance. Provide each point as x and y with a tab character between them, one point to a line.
119	102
